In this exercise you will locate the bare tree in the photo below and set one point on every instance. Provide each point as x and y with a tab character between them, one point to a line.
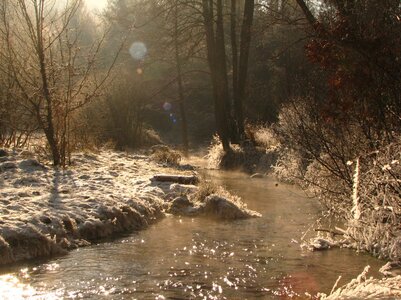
240	69
180	84
229	127
176	27
54	76
217	63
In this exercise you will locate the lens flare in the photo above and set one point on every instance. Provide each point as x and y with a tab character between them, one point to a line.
138	50
167	106
173	118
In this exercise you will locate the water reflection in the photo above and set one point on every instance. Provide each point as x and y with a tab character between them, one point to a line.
202	259
17	286
12	287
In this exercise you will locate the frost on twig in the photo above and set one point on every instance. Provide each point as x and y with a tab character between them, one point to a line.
363	287
355	196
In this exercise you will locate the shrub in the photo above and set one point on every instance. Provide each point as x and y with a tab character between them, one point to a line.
262	136
353	172
258	153
375	216
288	167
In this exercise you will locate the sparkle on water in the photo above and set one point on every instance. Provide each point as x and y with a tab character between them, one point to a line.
185	258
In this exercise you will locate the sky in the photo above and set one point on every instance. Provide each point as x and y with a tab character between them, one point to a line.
96	4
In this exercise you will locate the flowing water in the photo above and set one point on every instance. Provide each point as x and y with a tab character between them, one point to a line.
185	258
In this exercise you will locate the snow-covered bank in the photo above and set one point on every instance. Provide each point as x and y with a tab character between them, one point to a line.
363	287
45	210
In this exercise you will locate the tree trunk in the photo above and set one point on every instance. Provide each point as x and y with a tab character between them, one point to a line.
49	125
222	80
217	64
184	125
308	14
234	50
243	65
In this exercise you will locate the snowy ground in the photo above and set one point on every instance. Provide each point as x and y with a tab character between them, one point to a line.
45	210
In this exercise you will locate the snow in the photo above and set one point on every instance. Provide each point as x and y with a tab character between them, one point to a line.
46	210
363	287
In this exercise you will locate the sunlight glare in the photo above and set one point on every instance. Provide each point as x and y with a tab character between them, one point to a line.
12	288
96	4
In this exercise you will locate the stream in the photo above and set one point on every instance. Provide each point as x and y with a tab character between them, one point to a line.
185	258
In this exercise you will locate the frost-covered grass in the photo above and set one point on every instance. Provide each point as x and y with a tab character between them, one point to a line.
363	287
165	155
263	136
45	210
257	154
213	201
356	177
215	153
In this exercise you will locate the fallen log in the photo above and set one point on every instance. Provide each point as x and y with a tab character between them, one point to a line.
181	179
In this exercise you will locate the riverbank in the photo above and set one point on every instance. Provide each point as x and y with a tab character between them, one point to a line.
364	287
46	211
373	230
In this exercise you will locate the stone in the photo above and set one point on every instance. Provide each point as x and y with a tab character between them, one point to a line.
181	201
3	153
45	219
7	166
222	208
186	167
181	206
6	255
320	244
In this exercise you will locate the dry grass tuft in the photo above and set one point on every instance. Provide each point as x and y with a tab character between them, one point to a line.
363	287
207	188
165	155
